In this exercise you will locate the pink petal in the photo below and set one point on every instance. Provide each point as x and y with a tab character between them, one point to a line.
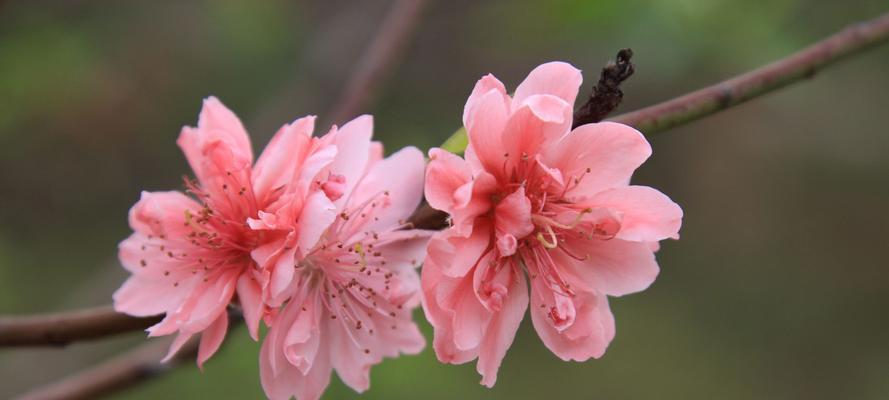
210	299
600	156
284	154
250	296
281	275
559	79
484	85
351	362
211	339
470	319
587	337
302	341
177	344
455	254
162	213
217	119
484	126
445	174
290	381
441	318
317	215
614	267
141	298
513	219
376	153
396	184
216	125
404	250
353	152
541	120
503	327
472	200
647	214
315	163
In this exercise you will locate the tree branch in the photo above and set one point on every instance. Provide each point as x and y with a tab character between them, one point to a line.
800	65
132	367
379	58
59	329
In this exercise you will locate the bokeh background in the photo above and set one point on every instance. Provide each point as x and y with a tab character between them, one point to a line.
778	288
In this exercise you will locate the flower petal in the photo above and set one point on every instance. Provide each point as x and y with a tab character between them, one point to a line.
353	152
484	85
212	338
556	78
614	267
440	317
513	220
290	381
216	125
647	214
316	216
503	327
455	254
588	336
598	156
541	120
250	296
395	185
484	126
282	157
445	174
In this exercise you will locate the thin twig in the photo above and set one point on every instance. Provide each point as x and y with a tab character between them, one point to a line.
134	366
123	371
378	59
800	65
59	329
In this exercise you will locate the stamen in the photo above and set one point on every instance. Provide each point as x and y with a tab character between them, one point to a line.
548	244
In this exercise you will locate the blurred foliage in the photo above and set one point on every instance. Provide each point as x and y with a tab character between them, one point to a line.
778	288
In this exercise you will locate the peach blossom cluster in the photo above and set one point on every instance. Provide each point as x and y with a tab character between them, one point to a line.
310	238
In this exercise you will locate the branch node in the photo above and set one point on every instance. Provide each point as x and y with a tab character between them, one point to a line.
606	94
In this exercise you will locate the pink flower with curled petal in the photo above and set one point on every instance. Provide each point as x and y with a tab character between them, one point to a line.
536	201
347	303
190	257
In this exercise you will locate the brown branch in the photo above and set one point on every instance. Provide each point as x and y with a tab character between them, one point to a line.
800	65
378	59
427	217
59	329
134	366
606	94
125	370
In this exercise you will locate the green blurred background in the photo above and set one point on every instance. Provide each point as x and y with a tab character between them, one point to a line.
778	289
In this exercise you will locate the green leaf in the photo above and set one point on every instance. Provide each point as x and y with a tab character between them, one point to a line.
457	142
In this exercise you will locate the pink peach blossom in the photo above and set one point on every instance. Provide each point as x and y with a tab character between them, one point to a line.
347	300
190	257
538	204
